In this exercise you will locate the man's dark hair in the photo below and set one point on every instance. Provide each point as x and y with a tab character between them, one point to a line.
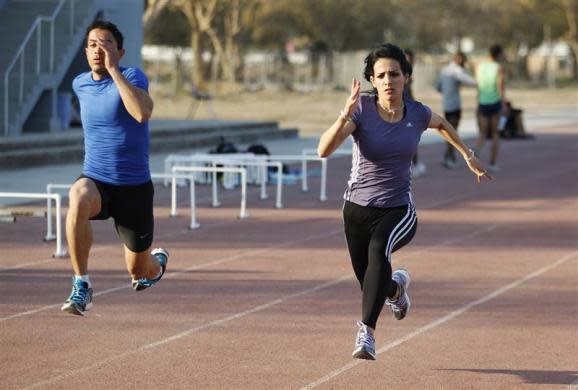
106	25
496	51
460	56
386	50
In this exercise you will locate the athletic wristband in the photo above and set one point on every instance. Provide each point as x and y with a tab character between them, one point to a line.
345	115
471	156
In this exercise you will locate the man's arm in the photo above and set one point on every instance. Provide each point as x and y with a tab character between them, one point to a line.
136	100
465	78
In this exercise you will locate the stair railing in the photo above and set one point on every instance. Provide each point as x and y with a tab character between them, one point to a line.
20	55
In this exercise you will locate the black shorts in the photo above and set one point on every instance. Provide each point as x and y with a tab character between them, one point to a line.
453	117
489	110
131	207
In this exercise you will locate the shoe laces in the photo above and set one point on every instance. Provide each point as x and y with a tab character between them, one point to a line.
400	302
364	336
79	292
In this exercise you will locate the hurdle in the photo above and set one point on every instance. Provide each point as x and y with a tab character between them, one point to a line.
193	204
244	160
304	158
49	187
309	152
57	200
171	159
242	171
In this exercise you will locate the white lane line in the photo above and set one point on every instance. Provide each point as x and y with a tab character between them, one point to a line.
173	274
186	333
248	311
28	264
444	319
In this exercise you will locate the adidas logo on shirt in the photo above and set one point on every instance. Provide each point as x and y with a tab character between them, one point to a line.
409	124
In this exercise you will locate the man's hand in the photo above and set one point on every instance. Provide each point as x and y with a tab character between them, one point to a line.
111	54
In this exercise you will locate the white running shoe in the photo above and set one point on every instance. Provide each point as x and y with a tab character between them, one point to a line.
400	306
364	343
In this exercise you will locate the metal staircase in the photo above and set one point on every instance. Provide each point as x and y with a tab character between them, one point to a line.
40	41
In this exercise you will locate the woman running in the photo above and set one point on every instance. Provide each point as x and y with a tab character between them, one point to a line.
378	213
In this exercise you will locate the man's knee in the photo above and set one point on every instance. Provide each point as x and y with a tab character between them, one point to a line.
84	201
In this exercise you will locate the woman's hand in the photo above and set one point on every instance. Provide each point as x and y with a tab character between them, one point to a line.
353	98
478	168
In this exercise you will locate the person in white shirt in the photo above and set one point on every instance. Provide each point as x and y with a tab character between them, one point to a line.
449	81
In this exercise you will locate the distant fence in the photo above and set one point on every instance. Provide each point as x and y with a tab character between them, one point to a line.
306	71
300	71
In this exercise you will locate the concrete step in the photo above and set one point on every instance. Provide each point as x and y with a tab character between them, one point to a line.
43	149
159	129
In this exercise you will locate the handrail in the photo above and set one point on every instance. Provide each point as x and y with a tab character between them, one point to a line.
36	28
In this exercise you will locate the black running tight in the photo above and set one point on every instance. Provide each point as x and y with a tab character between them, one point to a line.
372	235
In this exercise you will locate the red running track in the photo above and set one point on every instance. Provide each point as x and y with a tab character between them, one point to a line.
271	303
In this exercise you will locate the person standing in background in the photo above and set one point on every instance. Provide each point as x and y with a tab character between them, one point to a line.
450	79
491	80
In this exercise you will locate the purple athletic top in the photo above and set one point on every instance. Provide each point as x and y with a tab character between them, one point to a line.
382	153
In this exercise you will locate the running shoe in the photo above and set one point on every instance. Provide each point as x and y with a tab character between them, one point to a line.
401	305
162	256
418	170
80	299
494	168
449	163
364	343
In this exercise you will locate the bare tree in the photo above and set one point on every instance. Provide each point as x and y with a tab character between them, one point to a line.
152	11
200	15
571	35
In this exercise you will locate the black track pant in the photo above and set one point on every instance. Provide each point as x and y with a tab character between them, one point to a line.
372	235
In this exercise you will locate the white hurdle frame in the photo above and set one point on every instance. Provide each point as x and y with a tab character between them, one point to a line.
242	171
310	151
49	187
193	203
57	199
258	161
304	158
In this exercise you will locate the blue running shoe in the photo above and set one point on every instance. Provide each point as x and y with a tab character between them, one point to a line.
400	306
364	343
162	256
80	299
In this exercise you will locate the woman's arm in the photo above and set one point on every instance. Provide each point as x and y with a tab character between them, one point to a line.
343	127
448	132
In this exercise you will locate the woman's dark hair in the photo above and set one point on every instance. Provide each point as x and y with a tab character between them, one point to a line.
386	50
106	25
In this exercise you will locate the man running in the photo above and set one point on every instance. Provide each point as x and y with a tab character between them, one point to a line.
115	183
